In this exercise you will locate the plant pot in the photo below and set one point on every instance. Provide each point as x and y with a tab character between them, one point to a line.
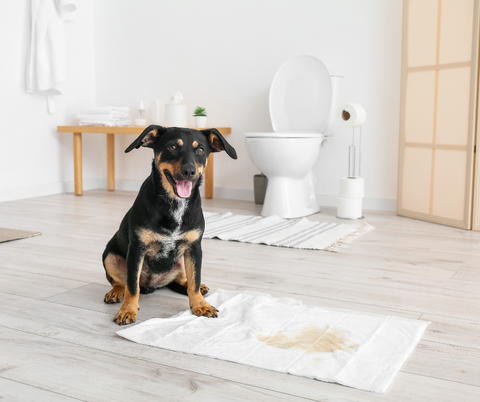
200	121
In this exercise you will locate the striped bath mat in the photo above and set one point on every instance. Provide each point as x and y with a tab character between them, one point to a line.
275	231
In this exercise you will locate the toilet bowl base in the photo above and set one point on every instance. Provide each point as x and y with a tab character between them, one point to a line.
290	197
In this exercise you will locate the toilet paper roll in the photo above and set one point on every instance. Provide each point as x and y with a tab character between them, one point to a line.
352	187
351	115
176	115
349	208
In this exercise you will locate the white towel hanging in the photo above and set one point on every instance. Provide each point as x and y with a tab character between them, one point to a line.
46	57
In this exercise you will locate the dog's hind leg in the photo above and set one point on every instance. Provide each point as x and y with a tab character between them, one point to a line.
128	312
116	270
180	284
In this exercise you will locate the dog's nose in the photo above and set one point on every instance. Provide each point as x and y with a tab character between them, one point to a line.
188	171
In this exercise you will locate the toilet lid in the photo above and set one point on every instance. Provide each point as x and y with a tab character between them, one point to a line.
300	95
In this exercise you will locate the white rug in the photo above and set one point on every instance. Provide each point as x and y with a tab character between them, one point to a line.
275	231
363	351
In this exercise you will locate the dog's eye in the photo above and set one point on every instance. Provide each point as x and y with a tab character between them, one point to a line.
172	147
200	151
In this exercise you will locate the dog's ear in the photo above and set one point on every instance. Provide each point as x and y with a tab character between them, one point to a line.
148	138
218	143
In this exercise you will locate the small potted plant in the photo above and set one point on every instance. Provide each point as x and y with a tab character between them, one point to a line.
200	117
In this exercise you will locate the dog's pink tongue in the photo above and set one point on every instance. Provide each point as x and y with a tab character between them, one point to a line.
184	188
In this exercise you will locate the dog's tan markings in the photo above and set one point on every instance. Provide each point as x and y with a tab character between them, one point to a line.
204	289
191	235
153	249
116	269
115	295
146	236
148	139
195	144
311	339
151	240
197	303
200	168
174	169
215	142
181	278
179	142
128	312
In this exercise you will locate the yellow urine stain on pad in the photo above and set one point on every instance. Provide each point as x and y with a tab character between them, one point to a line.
312	339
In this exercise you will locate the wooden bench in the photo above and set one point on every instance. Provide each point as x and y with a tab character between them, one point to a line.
110	133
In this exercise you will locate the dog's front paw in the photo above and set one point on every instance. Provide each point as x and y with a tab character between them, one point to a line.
114	296
125	316
204	309
203	289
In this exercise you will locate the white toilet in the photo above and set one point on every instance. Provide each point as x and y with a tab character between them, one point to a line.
303	99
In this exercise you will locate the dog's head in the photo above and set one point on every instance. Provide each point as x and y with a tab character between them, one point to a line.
181	155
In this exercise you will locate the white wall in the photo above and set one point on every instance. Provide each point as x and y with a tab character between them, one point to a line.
34	159
223	55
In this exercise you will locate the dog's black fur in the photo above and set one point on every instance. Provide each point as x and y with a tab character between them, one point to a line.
159	239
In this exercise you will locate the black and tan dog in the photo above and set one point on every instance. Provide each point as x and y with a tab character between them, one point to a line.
159	240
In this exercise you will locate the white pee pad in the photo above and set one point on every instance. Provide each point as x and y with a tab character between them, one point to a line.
360	350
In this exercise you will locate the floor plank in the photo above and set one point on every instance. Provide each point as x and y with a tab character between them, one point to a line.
452	331
408	299
35	285
14	391
453	363
66	369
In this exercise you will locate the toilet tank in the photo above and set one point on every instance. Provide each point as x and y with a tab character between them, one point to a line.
332	124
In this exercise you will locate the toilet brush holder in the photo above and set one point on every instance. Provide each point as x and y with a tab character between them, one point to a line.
260	183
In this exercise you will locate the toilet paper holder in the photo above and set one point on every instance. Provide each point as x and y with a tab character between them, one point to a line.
350	201
351	115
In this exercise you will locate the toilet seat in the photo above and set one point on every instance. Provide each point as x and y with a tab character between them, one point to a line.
300	96
292	134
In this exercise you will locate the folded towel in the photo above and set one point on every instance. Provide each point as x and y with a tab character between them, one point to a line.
109	116
106	123
113	115
105	110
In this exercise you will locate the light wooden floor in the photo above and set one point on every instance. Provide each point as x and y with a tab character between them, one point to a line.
58	341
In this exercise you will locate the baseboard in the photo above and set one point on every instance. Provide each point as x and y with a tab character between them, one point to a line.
122	184
233	193
369	203
372	203
18	193
40	190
